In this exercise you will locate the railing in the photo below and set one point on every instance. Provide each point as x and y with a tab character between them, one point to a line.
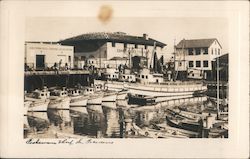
178	83
54	67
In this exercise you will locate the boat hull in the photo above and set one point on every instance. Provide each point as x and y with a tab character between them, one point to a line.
79	104
114	86
95	108
109	97
60	103
163	92
39	106
183	125
95	100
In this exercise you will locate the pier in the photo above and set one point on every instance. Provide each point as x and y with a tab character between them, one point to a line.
63	72
61	78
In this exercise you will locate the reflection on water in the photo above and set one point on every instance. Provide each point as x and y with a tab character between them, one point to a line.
97	122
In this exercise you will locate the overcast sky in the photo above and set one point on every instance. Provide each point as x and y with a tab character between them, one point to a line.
165	30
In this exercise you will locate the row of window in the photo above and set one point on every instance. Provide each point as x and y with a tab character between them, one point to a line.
143	76
125	45
198	51
197	63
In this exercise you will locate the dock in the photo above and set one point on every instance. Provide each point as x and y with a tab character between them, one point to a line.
60	72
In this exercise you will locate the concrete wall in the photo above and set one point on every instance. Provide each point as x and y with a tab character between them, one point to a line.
53	53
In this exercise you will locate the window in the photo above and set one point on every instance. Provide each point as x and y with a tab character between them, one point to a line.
180	63
215	52
205	63
142	76
198	63
197	51
113	44
205	50
145	46
125	45
92	61
212	51
146	77
105	53
69	59
218	51
191	64
190	51
136	46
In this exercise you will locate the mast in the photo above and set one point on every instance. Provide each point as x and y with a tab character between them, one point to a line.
175	69
218	88
176	75
152	56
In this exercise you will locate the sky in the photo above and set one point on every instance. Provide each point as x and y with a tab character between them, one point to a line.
165	29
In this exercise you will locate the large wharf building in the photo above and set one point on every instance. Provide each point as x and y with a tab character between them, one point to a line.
104	50
197	54
44	55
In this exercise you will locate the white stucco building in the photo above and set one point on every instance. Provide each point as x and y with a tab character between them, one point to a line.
42	55
197	54
104	50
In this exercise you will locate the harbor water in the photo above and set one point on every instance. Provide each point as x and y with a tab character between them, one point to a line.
103	122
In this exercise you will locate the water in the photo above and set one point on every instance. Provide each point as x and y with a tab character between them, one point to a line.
101	122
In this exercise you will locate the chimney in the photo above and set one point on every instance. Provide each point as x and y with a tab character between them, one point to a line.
145	36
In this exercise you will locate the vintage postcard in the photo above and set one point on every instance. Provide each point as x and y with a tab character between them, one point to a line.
141	79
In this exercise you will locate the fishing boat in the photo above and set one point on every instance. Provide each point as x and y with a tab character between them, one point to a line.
151	85
59	99
183	123
25	113
78	100
39	100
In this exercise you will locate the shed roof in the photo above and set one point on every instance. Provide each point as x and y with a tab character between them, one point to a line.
113	37
196	43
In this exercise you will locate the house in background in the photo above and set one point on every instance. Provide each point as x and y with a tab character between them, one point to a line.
196	55
102	49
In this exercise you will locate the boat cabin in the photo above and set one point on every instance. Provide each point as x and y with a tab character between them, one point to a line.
111	74
74	92
128	77
89	90
60	93
146	77
41	94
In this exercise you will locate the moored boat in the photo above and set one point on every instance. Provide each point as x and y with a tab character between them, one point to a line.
78	100
154	86
59	99
190	125
39	100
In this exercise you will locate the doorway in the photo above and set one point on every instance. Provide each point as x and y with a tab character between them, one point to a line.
40	59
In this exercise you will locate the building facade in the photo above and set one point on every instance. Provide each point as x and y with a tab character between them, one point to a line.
104	50
197	54
44	55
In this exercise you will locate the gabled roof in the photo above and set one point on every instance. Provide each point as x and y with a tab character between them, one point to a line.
113	37
196	43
